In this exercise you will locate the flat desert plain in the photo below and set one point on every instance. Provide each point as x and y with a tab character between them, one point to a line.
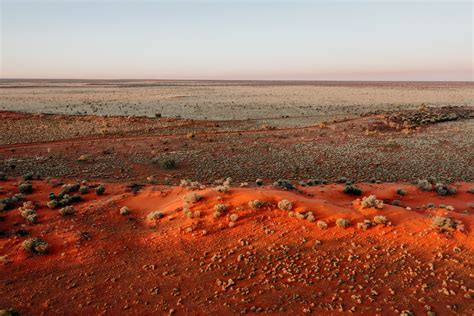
236	197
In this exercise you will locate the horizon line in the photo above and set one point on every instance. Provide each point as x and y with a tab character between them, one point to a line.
262	80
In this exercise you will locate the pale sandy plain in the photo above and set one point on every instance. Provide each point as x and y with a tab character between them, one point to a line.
300	103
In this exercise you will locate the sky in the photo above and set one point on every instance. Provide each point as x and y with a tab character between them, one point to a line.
257	40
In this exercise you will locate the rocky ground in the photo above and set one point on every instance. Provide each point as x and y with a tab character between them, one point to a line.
227	250
398	146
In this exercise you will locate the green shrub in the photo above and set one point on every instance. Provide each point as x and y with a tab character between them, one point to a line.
192	198
401	192
84	189
285	205
366	224
124	211
168	164
343	222
67	210
350	189
380	220
25	187
52	204
371	201
36	246
155	215
256	204
443	189
322	224
100	190
28	176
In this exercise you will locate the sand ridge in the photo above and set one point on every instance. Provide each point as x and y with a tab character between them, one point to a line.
100	261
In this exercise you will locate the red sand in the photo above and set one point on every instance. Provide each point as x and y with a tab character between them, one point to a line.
101	262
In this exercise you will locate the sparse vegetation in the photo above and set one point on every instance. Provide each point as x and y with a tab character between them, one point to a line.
343	222
285	205
3	176
233	217
36	246
223	186
312	182
193	185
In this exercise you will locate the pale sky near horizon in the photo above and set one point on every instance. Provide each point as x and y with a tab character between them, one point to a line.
276	40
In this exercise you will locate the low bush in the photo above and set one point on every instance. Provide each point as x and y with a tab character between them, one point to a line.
67	210
124	210
100	190
192	198
446	224
443	189
84	189
28	176
256	204
155	215
168	164
380	220
371	201
36	246
322	224
401	192
350	189
424	185
366	224
284	184
233	217
343	222
25	187
285	205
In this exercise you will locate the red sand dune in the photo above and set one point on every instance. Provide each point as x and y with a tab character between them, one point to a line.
101	262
